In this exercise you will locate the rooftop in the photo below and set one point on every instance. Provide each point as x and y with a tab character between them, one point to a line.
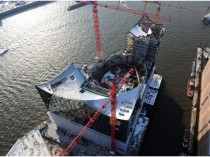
147	29
32	144
68	85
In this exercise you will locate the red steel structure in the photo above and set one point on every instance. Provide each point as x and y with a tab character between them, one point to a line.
97	114
113	114
132	11
99	57
97	31
119	8
124	79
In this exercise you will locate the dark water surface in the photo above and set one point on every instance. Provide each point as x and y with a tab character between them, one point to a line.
44	41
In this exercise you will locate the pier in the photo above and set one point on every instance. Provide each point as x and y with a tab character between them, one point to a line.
195	100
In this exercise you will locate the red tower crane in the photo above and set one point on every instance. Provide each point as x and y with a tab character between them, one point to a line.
114	88
97	114
132	11
114	7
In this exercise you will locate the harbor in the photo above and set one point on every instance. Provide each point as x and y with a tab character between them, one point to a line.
39	60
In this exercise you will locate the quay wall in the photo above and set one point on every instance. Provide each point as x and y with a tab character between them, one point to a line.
22	8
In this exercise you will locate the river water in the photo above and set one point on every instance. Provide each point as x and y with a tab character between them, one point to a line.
43	41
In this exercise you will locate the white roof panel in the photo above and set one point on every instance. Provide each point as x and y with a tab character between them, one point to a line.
32	144
126	102
137	31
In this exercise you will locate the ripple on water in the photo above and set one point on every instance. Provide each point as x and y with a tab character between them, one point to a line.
45	40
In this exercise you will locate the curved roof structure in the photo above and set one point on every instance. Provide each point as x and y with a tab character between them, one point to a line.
68	85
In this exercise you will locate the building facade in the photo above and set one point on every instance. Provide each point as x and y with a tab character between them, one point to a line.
204	114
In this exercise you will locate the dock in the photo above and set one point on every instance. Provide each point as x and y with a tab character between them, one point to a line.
195	100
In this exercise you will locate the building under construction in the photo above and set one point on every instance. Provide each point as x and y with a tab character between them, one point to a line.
80	110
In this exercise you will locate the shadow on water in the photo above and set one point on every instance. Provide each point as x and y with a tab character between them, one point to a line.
165	130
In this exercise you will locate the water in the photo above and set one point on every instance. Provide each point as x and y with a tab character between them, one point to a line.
44	41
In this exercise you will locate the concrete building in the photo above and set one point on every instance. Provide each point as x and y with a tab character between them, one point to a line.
204	114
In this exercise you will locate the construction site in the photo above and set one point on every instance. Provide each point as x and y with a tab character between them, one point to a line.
105	108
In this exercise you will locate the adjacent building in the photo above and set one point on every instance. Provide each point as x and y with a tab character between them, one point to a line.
204	114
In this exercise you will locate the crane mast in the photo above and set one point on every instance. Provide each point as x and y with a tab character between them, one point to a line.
158	12
97	31
85	128
113	114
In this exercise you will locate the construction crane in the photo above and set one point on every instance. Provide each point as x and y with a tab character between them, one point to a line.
113	105
188	7
158	12
92	119
114	89
132	11
205	19
161	3
157	16
114	7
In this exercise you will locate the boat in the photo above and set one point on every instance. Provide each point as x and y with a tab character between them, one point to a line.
193	68
190	87
191	81
206	19
2	52
186	137
80	91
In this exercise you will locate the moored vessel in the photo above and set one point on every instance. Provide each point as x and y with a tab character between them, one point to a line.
190	87
2	52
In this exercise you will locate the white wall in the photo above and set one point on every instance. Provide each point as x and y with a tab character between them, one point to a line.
90	134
